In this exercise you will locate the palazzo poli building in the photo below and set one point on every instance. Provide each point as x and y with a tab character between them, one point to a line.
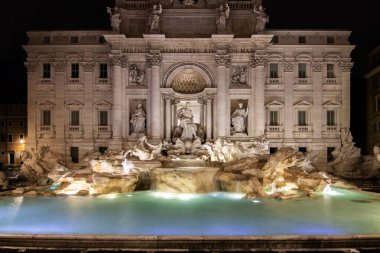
98	90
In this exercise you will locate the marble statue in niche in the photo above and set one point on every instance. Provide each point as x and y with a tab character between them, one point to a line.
239	75
136	75
186	117
238	119
222	17
261	18
154	18
115	18
138	120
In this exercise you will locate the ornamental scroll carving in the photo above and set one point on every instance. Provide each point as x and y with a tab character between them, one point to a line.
317	66
346	66
60	66
223	60
289	66
153	60
31	66
88	66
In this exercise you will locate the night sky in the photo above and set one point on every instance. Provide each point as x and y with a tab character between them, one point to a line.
362	18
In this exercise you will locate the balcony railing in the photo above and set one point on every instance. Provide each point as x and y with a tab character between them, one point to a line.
75	128
74	81
274	129
104	128
330	128
46	128
103	80
274	80
331	80
302	80
45	80
302	129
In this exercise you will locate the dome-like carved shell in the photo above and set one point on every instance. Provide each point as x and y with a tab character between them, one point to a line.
188	81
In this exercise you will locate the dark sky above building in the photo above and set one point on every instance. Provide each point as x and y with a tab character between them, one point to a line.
16	17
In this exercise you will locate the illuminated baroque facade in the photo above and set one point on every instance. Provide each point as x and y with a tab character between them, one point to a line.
97	90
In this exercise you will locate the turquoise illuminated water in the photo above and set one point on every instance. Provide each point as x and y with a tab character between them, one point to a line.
152	213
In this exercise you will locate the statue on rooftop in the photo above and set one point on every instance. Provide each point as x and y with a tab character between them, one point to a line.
222	17
115	18
261	18
154	18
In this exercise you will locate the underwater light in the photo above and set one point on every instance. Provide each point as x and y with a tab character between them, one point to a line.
172	195
109	196
328	191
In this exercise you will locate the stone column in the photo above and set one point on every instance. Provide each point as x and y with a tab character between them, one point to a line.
251	114
316	111
60	111
223	62
289	78
88	121
117	114
345	68
209	118
31	141
168	127
260	62
125	112
154	62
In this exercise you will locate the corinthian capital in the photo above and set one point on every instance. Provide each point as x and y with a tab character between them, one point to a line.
119	60
257	60
346	66
31	66
153	60
223	60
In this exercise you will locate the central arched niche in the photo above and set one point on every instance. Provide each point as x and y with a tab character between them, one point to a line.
188	78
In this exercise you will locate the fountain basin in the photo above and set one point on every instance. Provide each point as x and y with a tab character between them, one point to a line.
185	179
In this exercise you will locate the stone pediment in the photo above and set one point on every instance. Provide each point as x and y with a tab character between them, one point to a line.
103	104
73	104
46	104
332	57
332	103
274	103
303	57
303	103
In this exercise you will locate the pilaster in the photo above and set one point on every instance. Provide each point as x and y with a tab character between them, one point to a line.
289	67
345	68
223	61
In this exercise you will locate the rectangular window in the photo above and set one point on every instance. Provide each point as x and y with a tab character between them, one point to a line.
273	68
21	137
103	70
46	117
301	70
21	123
9	123
302	118
75	70
302	39
330	156
330	71
74	120
46	40
46	70
2	137
103	118
330	40
273	118
10	138
302	149
331	118
2	123
74	39
102	40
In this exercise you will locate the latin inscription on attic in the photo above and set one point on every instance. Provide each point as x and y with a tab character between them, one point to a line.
200	25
